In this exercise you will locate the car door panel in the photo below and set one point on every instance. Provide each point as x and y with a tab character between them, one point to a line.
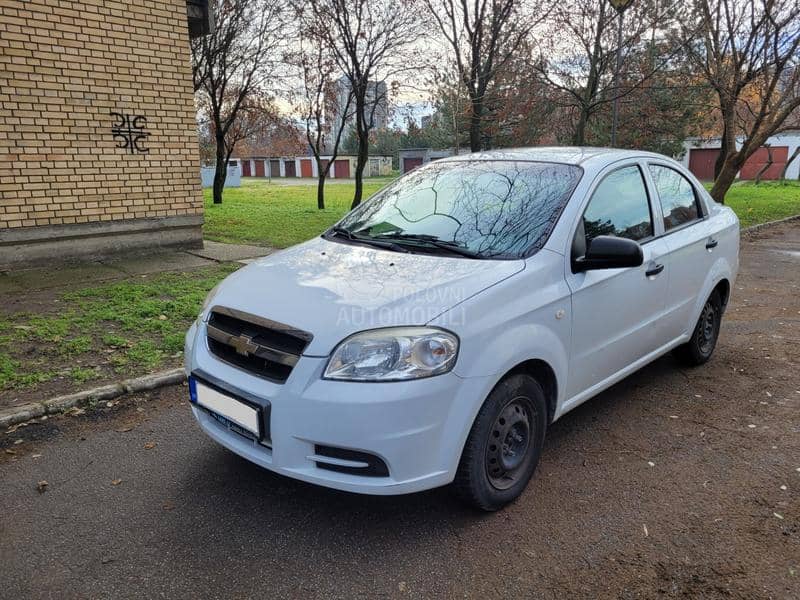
616	318
616	312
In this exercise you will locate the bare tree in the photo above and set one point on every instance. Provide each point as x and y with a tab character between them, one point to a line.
483	36
749	53
318	103
371	41
232	64
578	56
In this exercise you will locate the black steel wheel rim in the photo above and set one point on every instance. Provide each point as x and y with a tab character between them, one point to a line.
508	447
708	328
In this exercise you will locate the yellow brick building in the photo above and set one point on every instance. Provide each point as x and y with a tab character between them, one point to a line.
98	144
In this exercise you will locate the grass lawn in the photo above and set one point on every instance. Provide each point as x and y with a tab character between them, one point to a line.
277	214
767	201
124	328
280	215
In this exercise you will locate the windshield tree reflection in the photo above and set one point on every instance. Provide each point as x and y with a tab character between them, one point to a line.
497	209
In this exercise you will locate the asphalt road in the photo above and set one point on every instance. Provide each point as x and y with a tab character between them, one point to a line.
675	483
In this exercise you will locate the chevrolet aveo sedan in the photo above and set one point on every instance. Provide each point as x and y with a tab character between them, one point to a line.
433	334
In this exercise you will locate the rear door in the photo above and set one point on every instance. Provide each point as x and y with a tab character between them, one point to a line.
691	244
615	312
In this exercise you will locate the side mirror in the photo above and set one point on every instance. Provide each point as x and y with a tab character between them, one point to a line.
609	252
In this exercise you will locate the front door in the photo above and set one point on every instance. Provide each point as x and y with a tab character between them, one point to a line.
615	312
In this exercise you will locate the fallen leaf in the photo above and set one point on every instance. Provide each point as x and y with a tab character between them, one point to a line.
149	445
401	586
18	441
125	429
10	451
751	426
116	482
162	317
777	516
36	455
783	487
168	505
652	464
41	487
646	533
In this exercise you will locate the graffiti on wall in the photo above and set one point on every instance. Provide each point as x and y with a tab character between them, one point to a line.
130	132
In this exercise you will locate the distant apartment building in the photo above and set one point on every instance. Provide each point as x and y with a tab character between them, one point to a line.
98	141
376	111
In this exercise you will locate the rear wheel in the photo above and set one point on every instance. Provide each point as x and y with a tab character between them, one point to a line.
504	445
701	345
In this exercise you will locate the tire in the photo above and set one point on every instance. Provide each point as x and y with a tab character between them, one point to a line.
701	345
504	444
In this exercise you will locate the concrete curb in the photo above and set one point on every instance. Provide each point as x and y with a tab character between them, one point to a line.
747	231
18	414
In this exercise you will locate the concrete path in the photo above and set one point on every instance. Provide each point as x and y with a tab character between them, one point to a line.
90	272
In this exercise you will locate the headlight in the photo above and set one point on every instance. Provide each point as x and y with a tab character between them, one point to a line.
393	354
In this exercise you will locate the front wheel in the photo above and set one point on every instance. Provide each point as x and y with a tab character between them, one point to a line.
504	444
701	345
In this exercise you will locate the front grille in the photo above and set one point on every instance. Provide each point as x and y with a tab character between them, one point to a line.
254	344
374	465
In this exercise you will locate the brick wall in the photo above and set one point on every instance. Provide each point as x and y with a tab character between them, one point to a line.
64	67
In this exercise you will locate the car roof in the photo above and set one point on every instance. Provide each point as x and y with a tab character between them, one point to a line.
570	155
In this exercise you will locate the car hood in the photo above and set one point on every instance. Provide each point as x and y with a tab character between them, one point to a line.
332	289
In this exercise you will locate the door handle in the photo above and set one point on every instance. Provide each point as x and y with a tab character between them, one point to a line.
654	271
712	243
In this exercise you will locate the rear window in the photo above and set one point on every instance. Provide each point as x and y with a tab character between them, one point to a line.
498	209
677	197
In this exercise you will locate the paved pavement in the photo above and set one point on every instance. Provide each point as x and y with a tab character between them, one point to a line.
96	271
674	483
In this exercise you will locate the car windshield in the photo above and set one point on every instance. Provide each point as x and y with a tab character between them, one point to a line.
480	209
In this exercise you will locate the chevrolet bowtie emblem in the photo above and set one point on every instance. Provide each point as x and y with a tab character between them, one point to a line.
243	345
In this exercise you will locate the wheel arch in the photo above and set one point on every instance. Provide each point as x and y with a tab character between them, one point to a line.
545	376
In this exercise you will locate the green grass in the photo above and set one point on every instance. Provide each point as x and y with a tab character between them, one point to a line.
278	215
128	327
767	201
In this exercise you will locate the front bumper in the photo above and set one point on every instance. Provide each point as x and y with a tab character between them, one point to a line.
417	428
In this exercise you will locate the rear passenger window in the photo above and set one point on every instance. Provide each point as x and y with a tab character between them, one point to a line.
619	207
677	197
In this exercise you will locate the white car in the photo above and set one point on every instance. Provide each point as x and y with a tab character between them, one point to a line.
435	332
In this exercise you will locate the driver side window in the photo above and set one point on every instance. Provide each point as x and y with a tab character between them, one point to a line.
620	207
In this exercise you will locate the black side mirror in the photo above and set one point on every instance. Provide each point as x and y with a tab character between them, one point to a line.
609	252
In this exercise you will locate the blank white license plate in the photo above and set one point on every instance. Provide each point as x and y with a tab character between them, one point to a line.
237	412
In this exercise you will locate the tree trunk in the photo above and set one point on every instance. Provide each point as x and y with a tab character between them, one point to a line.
362	133
721	156
788	162
475	126
361	163
727	176
579	139
321	175
221	171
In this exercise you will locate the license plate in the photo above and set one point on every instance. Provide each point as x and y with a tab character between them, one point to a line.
228	408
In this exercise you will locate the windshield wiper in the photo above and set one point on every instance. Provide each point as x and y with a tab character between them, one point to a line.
432	240
366	240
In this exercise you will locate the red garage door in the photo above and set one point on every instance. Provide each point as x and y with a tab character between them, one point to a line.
246	168
701	162
411	163
259	168
305	167
342	168
780	154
